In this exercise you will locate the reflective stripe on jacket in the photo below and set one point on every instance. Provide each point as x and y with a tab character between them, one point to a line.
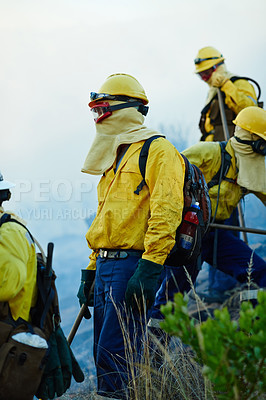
147	221
18	268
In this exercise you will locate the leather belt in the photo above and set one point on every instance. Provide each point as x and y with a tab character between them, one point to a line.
116	253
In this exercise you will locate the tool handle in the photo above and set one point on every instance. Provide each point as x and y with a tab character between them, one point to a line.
77	323
227	137
238	228
50	249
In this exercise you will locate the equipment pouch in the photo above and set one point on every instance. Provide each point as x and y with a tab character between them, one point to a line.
5	330
21	366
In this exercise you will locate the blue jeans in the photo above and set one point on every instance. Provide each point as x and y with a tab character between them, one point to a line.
173	280
220	282
233	257
117	334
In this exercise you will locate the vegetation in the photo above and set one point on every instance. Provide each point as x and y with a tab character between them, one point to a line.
222	358
232	353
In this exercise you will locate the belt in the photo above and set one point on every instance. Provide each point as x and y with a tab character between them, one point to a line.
249	294
116	253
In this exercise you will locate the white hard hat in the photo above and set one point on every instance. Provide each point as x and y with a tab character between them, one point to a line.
5	184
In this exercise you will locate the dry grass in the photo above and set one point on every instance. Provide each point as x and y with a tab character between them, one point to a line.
167	369
167	372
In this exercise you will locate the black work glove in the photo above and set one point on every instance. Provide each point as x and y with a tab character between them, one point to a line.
86	291
143	284
59	369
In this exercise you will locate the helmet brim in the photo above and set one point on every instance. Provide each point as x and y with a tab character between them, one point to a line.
6	185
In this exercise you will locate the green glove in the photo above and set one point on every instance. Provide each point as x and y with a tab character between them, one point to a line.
52	382
59	369
143	283
69	364
86	291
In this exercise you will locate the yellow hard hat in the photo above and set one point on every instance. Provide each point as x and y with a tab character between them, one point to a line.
252	119
206	58
124	85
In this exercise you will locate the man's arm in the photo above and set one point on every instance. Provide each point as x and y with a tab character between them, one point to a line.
14	255
239	95
206	156
165	179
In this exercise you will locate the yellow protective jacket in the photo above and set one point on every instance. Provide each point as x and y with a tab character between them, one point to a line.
147	221
207	156
238	95
18	269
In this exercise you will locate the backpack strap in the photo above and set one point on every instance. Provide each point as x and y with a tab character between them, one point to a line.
235	78
222	171
232	79
7	218
143	161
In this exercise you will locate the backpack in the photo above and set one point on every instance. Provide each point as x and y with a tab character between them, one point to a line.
195	191
214	113
22	365
224	168
235	78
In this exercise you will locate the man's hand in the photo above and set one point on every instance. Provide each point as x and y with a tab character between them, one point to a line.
218	80
143	284
86	289
60	368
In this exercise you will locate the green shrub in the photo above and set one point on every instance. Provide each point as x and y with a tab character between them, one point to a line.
233	353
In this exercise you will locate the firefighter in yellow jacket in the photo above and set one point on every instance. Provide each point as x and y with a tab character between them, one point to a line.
19	290
18	265
134	228
237	93
246	174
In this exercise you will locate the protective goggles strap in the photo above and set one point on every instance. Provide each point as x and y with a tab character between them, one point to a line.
249	142
199	60
141	108
258	146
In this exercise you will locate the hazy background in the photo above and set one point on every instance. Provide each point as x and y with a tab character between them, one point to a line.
54	52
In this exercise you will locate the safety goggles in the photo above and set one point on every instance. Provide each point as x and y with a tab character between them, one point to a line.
103	110
205	75
199	60
258	146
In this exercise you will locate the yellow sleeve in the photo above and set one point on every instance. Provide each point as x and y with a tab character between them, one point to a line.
14	256
206	156
93	258
165	179
239	95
